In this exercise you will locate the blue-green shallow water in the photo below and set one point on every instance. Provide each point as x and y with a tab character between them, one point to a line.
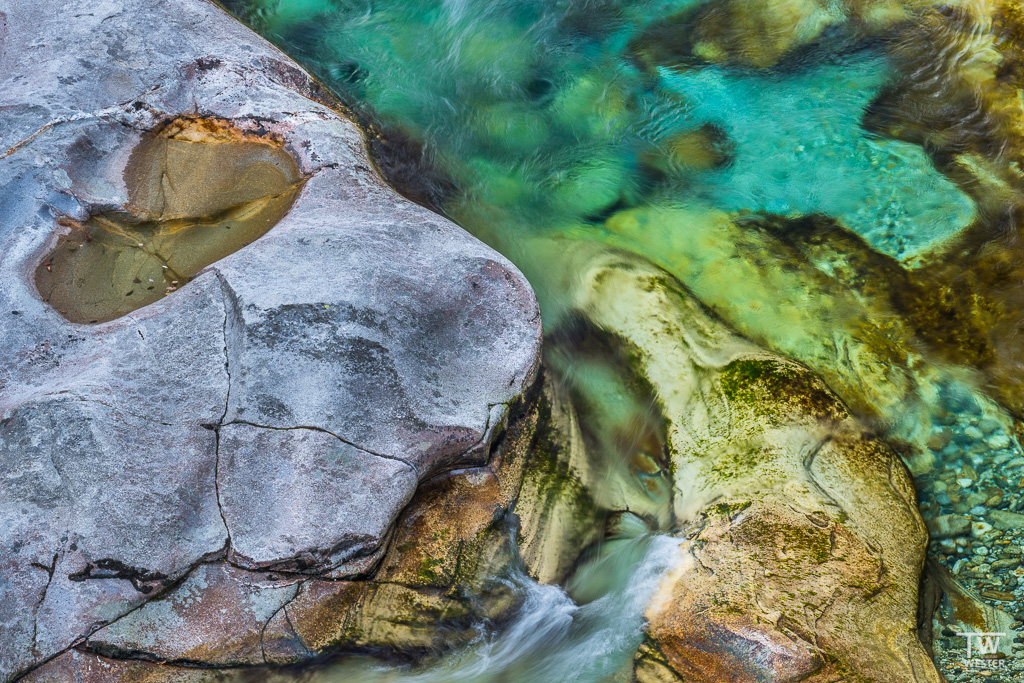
562	120
540	107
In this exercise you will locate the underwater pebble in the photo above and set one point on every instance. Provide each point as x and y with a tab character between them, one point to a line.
1000	440
949	526
1005	521
939	440
989	425
976	500
1003	596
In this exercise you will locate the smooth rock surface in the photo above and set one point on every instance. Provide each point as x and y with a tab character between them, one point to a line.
303	494
361	332
949	526
447	546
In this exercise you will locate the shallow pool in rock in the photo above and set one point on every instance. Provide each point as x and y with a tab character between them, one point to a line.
836	182
198	190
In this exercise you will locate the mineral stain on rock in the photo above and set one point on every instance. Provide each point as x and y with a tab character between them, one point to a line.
198	190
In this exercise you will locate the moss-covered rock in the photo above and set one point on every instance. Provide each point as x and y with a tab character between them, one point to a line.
804	545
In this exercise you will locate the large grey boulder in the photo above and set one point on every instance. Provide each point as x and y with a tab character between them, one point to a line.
275	413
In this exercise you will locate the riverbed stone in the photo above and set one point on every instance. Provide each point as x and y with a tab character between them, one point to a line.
949	526
363	341
1004	520
763	33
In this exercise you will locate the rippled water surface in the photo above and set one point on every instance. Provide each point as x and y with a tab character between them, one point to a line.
839	182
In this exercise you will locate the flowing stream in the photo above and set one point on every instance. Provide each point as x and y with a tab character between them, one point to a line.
550	637
826	178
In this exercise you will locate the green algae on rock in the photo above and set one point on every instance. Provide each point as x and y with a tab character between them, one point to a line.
763	451
199	189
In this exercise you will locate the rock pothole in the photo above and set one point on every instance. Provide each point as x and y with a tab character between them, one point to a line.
198	189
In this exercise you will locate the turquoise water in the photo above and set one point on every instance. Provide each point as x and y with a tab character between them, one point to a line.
767	162
800	149
542	109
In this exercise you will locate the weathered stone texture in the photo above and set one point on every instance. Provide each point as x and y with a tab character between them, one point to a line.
279	410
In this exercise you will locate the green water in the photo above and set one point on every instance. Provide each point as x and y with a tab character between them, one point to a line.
749	176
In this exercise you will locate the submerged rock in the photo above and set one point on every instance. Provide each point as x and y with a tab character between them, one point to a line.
1004	520
275	413
763	33
949	526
